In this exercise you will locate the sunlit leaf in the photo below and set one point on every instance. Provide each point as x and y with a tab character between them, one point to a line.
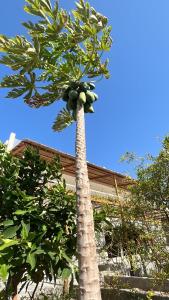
8	243
25	230
4	272
66	273
8	223
20	212
10	232
31	259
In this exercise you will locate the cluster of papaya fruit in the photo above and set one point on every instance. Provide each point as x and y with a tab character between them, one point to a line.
83	92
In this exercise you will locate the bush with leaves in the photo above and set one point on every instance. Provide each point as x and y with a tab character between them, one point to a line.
153	181
149	205
37	221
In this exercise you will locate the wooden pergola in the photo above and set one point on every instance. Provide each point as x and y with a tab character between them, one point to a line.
96	174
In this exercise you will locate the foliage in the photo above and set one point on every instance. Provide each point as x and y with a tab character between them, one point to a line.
63	120
149	295
124	237
37	220
149	208
64	48
153	181
151	198
54	296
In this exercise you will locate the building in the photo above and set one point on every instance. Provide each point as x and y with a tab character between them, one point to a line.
106	185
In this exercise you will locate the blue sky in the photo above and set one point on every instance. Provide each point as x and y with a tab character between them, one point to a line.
133	109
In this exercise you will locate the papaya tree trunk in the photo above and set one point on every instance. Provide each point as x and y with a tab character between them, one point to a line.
89	286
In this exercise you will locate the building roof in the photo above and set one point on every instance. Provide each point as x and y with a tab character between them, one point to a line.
96	173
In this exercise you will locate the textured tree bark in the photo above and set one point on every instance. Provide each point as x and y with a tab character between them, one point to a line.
89	286
66	287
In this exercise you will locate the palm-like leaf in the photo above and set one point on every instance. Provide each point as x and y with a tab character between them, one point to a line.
63	48
63	120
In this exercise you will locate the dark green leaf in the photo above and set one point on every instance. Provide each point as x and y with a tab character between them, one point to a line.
31	259
10	232
25	230
8	223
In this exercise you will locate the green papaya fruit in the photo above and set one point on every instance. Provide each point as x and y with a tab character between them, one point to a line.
65	96
73	95
71	104
91	85
82	97
96	96
91	109
74	115
84	86
90	96
88	108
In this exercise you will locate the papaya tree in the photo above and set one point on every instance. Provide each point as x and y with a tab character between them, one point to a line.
63	53
37	223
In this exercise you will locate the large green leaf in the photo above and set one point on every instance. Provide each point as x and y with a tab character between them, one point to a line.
17	92
66	273
10	232
68	259
31	259
40	8
34	28
8	223
25	230
63	48
8	243
4	272
20	212
63	120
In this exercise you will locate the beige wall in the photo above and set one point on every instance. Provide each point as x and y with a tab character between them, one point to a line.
96	188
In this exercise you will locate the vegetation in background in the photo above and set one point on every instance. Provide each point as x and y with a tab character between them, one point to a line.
37	221
149	208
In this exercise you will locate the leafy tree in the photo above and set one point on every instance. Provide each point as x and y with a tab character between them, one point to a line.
153	181
66	50
149	205
151	193
37	222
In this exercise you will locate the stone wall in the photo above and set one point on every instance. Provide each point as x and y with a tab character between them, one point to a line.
142	283
109	294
